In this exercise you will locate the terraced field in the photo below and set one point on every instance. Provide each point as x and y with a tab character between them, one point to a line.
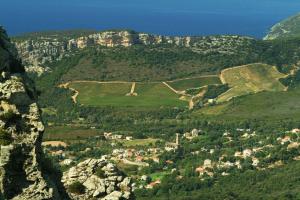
184	84
250	79
151	95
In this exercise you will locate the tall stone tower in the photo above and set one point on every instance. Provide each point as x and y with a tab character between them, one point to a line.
177	139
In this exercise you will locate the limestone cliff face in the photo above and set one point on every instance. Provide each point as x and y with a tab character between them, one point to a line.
40	50
21	130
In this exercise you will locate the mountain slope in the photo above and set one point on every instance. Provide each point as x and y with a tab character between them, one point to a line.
287	28
39	49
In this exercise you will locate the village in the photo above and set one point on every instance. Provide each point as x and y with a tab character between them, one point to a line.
126	151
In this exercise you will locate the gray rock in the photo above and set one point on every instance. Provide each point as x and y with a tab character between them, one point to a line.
20	160
97	187
115	195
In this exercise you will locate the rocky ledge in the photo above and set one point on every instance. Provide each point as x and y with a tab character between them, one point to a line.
97	179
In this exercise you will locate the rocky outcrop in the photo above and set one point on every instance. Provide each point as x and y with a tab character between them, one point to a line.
21	129
36	52
100	179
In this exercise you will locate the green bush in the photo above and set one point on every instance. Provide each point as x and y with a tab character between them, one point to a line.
100	173
8	116
5	137
77	188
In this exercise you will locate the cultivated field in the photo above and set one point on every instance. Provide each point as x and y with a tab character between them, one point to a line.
150	95
139	142
66	133
194	82
250	79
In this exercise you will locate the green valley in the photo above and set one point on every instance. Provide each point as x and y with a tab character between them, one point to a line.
200	117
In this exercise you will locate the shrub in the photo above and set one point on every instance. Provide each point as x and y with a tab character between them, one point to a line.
9	116
5	137
77	188
100	173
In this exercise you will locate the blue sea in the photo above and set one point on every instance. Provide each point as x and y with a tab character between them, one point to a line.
167	17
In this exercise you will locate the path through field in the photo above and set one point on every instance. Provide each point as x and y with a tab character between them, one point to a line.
166	84
133	86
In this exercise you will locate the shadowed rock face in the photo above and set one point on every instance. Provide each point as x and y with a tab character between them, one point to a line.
21	129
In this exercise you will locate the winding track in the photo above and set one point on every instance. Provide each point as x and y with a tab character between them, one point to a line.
76	92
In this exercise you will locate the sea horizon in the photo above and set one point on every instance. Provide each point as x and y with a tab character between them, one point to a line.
198	18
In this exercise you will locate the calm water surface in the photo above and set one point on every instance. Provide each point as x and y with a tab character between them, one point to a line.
167	17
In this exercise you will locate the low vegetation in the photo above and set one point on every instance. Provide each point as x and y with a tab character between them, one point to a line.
185	84
5	137
250	79
77	188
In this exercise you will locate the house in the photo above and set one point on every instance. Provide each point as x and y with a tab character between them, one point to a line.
154	150
238	164
169	162
107	135
117	137
247	153
243	130
293	145
202	171
207	163
66	162
139	158
238	154
153	184
226	134
295	130
255	162
284	140
191	135
211	101
55	144
173	146
129	138
155	159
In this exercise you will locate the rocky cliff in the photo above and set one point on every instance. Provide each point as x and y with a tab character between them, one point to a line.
21	129
24	172
39	50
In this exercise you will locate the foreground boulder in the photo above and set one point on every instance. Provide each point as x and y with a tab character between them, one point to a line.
97	179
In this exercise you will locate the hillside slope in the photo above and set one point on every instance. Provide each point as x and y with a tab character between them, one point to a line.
38	49
250	79
287	28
